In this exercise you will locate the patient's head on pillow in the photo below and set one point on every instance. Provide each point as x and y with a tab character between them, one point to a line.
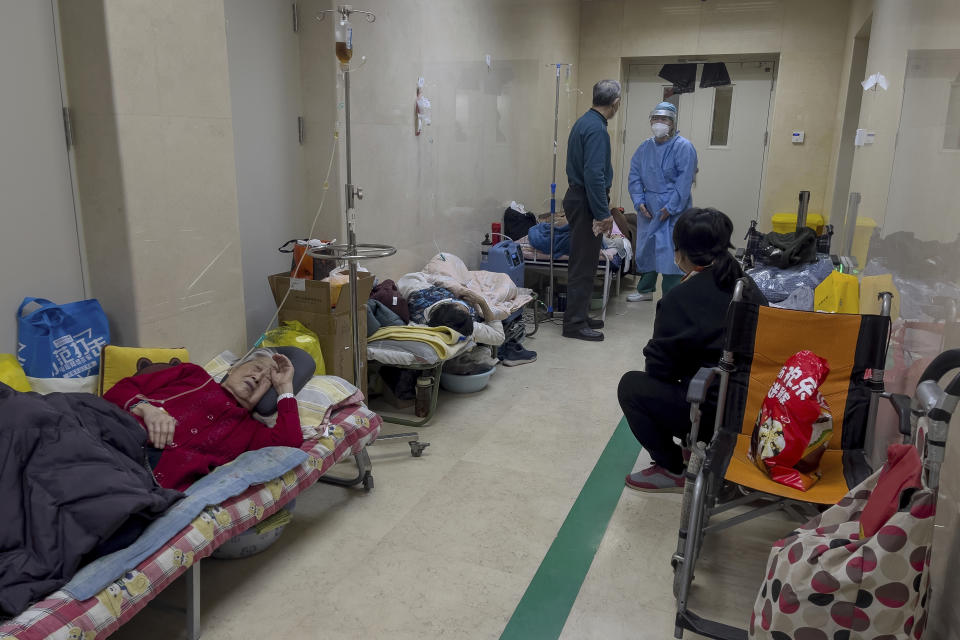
251	377
453	314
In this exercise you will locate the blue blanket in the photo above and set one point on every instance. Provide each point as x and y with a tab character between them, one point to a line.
539	238
252	467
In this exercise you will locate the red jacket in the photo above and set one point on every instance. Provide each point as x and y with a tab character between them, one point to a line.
212	429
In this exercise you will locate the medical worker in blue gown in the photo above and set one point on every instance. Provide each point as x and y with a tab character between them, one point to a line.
661	175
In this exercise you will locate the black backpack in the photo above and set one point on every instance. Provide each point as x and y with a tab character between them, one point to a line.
516	224
789	249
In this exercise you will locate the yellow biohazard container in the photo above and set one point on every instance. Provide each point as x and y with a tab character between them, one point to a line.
787	222
861	240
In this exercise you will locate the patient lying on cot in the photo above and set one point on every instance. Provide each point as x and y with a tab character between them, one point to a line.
195	425
439	307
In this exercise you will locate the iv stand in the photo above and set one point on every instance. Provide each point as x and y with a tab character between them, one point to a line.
352	251
553	183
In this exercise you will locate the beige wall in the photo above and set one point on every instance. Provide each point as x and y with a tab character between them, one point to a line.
265	80
809	36
318	81
149	88
848	111
491	137
899	26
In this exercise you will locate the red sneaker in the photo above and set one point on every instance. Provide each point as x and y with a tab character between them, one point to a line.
656	479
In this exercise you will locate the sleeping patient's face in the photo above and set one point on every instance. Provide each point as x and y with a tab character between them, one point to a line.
249	381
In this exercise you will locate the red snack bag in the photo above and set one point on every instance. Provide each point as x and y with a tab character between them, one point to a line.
794	425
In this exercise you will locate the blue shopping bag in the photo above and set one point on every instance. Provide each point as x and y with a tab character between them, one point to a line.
61	341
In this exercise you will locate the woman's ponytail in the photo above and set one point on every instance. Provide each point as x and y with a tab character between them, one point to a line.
726	271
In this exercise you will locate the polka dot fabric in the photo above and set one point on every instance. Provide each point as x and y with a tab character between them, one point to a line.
824	581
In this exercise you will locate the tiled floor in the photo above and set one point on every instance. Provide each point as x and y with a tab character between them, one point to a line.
446	544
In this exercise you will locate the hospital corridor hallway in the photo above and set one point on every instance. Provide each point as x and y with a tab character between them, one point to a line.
479	319
447	544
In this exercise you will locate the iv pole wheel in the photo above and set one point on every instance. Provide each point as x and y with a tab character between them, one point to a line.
416	448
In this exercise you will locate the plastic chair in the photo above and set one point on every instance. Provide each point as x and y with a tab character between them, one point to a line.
758	341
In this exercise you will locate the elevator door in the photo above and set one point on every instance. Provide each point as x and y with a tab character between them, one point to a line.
727	126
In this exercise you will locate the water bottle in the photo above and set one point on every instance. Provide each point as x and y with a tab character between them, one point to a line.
424	394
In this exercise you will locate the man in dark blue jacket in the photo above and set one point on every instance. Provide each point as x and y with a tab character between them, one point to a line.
589	176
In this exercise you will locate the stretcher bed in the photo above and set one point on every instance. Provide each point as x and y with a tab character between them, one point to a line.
611	275
62	616
417	356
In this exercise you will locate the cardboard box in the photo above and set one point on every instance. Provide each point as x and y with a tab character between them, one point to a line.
311	307
315	296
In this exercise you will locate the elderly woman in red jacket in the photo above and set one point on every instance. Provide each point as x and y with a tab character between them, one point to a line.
195	424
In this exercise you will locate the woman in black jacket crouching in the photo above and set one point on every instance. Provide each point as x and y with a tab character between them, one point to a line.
687	334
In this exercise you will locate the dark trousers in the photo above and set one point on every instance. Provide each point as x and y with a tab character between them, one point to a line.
584	256
656	412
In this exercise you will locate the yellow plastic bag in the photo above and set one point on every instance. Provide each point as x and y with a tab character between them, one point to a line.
839	293
11	373
293	334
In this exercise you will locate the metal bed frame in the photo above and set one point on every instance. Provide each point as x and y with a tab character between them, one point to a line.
604	268
412	438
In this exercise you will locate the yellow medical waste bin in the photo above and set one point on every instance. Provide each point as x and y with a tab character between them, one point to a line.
861	240
787	222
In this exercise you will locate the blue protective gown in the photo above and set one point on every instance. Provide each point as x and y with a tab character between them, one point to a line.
660	176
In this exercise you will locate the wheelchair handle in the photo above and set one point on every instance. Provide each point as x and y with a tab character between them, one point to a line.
738	290
886	302
941	365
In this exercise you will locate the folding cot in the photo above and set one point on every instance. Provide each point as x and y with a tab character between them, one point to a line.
60	615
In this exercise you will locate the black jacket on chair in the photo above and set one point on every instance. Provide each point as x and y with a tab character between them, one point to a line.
72	475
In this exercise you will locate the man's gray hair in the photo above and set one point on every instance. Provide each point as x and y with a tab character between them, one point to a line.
605	93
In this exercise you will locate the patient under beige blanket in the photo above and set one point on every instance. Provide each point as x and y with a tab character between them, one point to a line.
493	294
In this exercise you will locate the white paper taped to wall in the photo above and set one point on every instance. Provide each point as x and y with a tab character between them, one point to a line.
874	81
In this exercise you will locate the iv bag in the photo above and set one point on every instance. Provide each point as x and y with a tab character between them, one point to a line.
344	38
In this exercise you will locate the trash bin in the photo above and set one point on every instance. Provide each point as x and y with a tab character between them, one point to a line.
861	240
787	222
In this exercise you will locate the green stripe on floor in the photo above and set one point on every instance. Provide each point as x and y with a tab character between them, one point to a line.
544	608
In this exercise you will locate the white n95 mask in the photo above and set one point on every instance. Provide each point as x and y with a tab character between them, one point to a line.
660	130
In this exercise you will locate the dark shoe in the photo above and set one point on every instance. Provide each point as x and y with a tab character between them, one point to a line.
595	323
512	354
584	334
